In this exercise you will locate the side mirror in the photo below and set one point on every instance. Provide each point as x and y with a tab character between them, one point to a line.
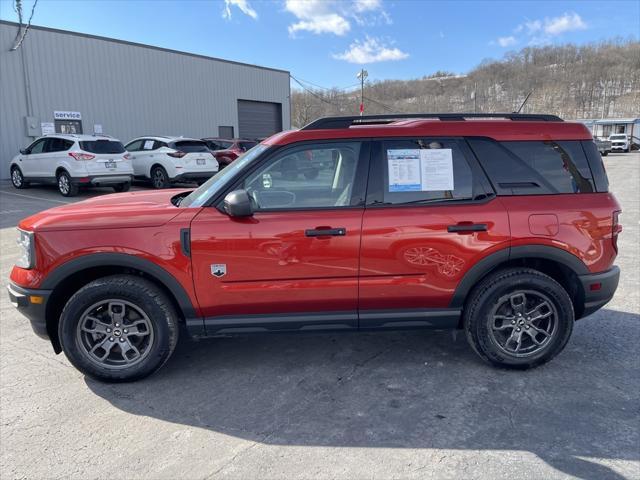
24	151
238	204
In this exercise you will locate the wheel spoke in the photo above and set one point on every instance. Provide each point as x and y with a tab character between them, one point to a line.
126	347
105	345
134	328
518	302
506	322
98	326
538	309
116	312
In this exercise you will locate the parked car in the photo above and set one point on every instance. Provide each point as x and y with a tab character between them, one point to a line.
419	221
227	150
604	146
72	162
620	142
166	160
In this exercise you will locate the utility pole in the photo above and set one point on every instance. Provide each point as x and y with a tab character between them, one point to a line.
362	75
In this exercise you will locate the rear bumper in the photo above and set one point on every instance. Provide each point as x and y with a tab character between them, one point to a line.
599	289
98	180
33	305
194	176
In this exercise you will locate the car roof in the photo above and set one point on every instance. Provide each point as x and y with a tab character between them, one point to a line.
229	139
80	137
501	127
163	138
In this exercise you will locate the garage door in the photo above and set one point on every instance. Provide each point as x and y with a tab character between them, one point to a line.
259	119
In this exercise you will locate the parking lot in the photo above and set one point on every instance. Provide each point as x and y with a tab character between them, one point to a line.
411	404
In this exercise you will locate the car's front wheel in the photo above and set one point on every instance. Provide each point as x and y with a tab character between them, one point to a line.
518	318
65	186
118	328
17	179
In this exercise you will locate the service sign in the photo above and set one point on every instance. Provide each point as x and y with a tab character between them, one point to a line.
59	115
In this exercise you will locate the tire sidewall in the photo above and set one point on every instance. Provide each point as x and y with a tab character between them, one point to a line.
164	175
538	283
19	172
157	312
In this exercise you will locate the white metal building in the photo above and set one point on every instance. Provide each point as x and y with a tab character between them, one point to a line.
60	81
602	128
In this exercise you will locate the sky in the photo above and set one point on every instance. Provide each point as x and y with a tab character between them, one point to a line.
326	42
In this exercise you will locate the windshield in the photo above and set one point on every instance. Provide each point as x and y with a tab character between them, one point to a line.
190	146
205	191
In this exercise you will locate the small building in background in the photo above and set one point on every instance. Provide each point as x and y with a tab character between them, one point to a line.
602	128
68	82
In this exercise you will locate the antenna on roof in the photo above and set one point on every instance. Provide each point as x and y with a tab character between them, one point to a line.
524	103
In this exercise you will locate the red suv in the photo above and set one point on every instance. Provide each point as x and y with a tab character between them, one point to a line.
226	150
500	225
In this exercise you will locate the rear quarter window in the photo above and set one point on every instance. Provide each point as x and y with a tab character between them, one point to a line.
102	146
534	167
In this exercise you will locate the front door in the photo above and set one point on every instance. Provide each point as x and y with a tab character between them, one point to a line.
293	265
430	216
35	162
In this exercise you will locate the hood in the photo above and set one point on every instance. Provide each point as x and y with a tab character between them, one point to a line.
118	210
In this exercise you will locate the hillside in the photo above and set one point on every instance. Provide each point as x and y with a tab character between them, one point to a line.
591	81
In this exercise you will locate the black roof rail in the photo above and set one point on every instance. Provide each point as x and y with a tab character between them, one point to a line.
346	122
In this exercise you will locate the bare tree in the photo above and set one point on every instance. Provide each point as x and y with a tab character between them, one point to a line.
22	28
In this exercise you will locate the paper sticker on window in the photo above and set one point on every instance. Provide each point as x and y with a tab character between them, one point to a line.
436	169
148	145
404	170
416	170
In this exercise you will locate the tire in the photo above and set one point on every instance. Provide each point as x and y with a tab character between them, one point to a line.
65	186
17	179
492	302
146	308
159	177
122	187
311	174
605	153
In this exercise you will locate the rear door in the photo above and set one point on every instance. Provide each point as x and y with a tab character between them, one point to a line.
294	263
197	156
108	157
430	217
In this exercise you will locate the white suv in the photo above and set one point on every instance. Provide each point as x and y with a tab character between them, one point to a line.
164	160
620	141
73	161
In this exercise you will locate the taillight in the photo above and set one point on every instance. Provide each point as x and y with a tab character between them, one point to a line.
176	154
126	156
81	156
615	229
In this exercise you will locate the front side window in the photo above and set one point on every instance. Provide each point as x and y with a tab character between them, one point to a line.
37	146
425	171
134	146
314	176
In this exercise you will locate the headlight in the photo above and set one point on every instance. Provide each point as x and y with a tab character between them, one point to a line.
27	257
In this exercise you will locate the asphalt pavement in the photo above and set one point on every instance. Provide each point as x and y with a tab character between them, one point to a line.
377	406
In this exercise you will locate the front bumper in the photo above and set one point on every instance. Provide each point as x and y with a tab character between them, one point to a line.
33	305
599	289
194	176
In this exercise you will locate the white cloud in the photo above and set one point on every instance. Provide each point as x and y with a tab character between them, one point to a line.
333	16
542	31
565	23
243	6
370	50
507	41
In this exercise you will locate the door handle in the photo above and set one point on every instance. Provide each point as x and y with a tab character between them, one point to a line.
326	232
467	227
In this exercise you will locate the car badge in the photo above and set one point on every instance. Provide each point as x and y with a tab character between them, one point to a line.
219	269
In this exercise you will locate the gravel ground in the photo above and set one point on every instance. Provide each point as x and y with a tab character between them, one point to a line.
392	405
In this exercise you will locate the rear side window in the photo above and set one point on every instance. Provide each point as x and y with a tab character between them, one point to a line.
58	145
189	146
102	146
425	171
534	167
596	164
244	146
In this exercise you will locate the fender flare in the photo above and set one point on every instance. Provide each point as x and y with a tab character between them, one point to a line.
122	260
489	263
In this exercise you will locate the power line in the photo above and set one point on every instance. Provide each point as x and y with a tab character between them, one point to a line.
322	99
327	88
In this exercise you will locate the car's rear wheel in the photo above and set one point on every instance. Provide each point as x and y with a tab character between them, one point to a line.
605	153
17	179
122	187
118	328
65	186
159	177
518	318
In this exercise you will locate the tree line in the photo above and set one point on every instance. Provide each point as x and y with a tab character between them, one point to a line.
575	82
